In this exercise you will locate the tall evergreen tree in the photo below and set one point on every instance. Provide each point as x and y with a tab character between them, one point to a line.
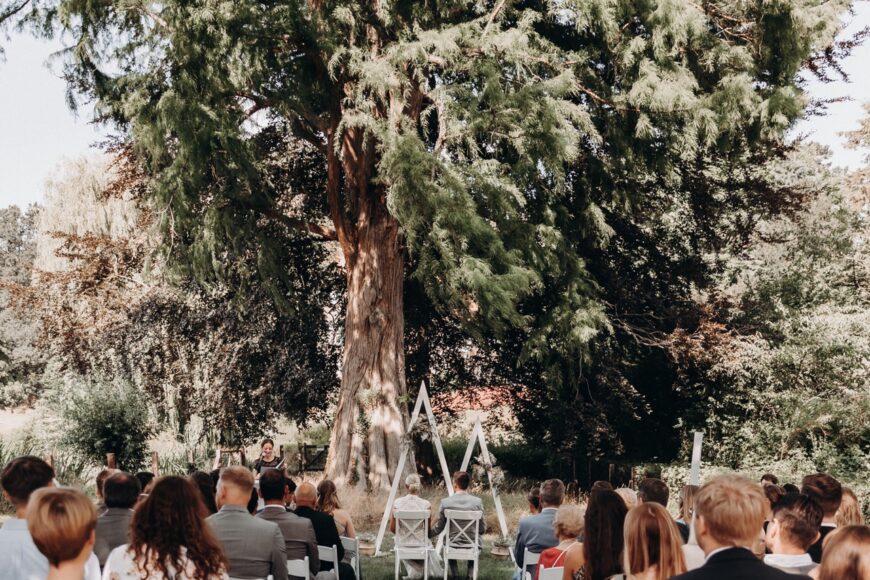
472	144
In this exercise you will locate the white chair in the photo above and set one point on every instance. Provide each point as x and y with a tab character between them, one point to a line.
299	568
529	559
351	547
328	554
462	541
412	539
550	573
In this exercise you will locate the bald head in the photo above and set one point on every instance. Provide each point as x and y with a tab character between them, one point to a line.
306	495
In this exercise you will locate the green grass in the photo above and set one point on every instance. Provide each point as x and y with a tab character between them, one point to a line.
383	567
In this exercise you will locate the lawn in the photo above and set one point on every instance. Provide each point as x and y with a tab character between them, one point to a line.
383	567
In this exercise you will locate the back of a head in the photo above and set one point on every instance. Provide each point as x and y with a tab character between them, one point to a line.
603	534
769	478
534	498
24	475
239	479
101	479
652	539
733	509
272	485
306	494
170	523
846	554
773	493
568	521
629	496
552	493
850	512
654	490
601	485
461	480
61	522
791	488
687	502
121	490
826	490
412	483
206	487
327	497
799	518
145	478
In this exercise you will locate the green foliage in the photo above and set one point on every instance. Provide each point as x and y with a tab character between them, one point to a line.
101	417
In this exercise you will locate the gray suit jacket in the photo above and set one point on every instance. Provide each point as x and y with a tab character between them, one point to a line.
536	533
254	547
113	528
459	501
298	535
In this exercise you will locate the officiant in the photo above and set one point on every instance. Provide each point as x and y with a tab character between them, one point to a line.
268	459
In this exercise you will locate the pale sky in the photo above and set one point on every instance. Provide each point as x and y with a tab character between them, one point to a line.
37	130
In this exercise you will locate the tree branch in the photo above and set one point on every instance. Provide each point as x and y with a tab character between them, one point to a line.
13	11
301	225
492	17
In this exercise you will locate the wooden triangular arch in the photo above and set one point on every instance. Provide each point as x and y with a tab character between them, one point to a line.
477	436
422	403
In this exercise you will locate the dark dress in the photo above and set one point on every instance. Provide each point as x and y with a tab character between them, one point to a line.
260	464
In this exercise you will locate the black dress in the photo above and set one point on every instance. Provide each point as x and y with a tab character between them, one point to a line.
260	464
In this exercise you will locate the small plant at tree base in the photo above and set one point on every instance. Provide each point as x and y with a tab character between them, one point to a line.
102	417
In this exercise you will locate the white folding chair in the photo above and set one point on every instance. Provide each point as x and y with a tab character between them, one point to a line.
530	559
328	554
462	541
299	568
351	546
550	573
412	539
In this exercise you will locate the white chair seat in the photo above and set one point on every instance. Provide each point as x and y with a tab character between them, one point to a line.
550	573
299	568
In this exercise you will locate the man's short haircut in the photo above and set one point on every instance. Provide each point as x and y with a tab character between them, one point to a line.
653	490
552	492
101	479
24	475
61	522
733	509
826	490
601	485
791	488
291	485
239	477
272	485
145	478
121	490
799	518
771	478
773	493
461	480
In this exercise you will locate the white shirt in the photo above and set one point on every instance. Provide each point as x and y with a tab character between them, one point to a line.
788	560
121	566
20	559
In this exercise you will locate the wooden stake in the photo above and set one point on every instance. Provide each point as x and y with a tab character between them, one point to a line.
155	464
110	461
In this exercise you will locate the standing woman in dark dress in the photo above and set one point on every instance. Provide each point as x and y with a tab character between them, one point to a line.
268	459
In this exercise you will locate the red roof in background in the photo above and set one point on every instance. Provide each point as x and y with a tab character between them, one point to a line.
479	399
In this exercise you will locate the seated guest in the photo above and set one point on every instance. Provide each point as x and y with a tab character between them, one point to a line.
206	487
254	547
121	492
791	488
145	479
769	479
461	500
568	525
600	486
100	480
628	495
603	527
850	513
653	548
773	493
61	523
534	499
19	557
536	532
729	511
794	527
298	532
828	493
847	555
169	539
656	491
327	502
324	529
413	502
687	506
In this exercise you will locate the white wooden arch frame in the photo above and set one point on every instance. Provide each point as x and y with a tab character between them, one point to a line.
477	436
421	404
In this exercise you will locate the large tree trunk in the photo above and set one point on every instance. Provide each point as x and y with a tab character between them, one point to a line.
371	415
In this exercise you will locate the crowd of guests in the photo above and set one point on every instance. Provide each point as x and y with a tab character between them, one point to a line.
221	525
201	527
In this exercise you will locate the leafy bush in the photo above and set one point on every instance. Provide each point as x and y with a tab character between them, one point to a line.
105	417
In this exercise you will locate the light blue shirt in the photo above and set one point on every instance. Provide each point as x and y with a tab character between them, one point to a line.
20	559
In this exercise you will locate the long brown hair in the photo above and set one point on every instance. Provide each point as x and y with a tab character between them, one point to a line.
846	554
849	513
169	519
327	497
687	502
602	545
653	539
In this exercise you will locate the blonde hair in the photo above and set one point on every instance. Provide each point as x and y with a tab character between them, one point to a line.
629	496
652	539
568	522
846	554
238	477
849	513
687	502
61	522
412	482
733	509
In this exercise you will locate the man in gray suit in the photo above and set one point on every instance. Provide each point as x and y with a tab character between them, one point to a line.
298	532
120	493
463	501
254	547
536	532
